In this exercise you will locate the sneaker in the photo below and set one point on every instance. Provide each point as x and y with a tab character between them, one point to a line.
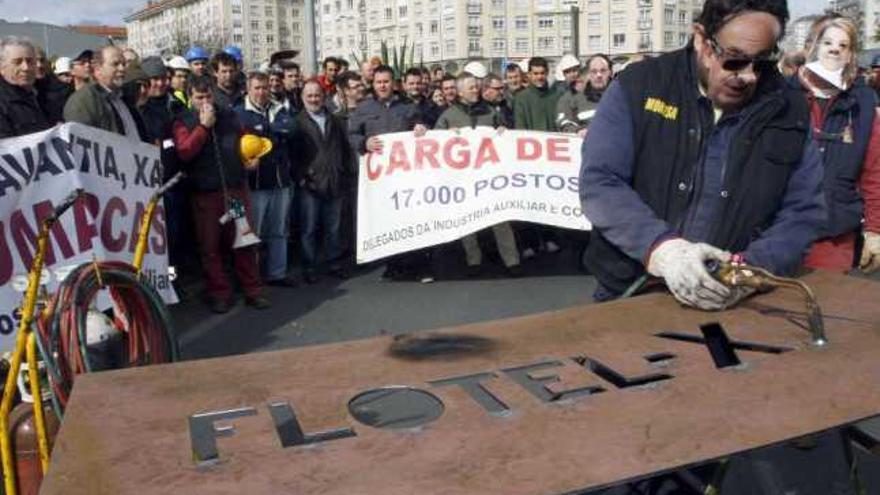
257	302
528	253
551	247
219	306
283	282
514	271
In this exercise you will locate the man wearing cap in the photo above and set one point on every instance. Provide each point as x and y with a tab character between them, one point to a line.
52	93
478	70
20	113
292	80
179	72
568	68
81	69
207	139
702	154
227	92
270	182
197	57
99	104
62	70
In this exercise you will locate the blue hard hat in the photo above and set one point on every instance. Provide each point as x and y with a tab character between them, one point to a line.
196	53
875	61
234	52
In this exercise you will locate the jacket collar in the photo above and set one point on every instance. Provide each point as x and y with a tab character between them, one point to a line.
272	109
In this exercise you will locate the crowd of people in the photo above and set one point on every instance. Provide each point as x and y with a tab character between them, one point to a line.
196	105
717	174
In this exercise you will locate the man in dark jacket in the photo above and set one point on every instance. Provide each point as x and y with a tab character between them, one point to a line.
414	88
207	142
385	113
270	183
698	154
20	113
323	172
52	93
227	90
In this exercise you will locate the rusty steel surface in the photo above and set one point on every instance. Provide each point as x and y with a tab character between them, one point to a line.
644	403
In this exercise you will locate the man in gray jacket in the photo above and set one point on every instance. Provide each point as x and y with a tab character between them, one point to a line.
382	114
469	112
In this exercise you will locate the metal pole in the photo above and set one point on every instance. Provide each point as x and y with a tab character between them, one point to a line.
575	31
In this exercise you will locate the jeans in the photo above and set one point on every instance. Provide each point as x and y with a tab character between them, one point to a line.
270	214
318	212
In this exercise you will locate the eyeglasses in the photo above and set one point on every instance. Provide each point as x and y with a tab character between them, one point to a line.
738	63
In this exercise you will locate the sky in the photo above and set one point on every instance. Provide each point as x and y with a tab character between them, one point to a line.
112	11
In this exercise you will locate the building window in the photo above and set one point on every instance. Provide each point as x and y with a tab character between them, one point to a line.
255	39
618	18
401	12
668	15
270	39
338	6
435	27
419	30
668	37
339	42
546	42
594	20
566	43
498	45
450	47
545	22
521	22
270	12
270	25
499	4
254	10
474	21
474	45
522	44
435	49
294	27
327	8
237	39
682	16
498	23
255	24
388	13
236	23
236	8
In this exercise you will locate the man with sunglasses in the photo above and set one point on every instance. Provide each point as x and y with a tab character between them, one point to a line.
702	154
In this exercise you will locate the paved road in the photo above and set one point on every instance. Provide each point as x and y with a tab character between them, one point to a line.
365	306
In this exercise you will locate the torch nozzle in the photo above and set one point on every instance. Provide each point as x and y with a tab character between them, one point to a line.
742	275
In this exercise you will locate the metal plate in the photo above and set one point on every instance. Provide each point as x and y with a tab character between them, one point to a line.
551	403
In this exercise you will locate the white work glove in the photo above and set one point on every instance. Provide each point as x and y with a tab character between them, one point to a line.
681	264
870	259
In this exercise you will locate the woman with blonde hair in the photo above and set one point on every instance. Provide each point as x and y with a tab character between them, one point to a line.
844	127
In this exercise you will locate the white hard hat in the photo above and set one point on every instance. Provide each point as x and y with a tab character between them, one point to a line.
476	69
568	61
62	65
524	64
264	68
177	63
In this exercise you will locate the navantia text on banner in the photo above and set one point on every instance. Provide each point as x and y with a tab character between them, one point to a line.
118	177
431	190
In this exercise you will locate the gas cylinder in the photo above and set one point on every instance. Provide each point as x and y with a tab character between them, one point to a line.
28	473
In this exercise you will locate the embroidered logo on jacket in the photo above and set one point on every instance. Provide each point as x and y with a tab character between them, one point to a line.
656	105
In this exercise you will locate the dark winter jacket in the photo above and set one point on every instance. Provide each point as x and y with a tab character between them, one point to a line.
372	118
645	172
52	94
20	113
276	124
208	166
90	105
323	159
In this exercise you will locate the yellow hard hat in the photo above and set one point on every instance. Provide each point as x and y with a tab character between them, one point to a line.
253	146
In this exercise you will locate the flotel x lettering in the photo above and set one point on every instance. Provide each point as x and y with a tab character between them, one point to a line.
656	105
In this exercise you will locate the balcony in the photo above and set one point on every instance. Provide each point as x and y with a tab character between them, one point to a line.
475	52
645	46
475	30
474	8
645	25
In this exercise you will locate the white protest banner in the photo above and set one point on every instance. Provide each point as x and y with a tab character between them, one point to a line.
425	191
38	171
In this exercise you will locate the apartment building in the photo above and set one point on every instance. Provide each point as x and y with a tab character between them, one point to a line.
258	27
498	30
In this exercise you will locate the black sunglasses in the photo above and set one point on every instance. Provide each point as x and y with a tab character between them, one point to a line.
738	63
